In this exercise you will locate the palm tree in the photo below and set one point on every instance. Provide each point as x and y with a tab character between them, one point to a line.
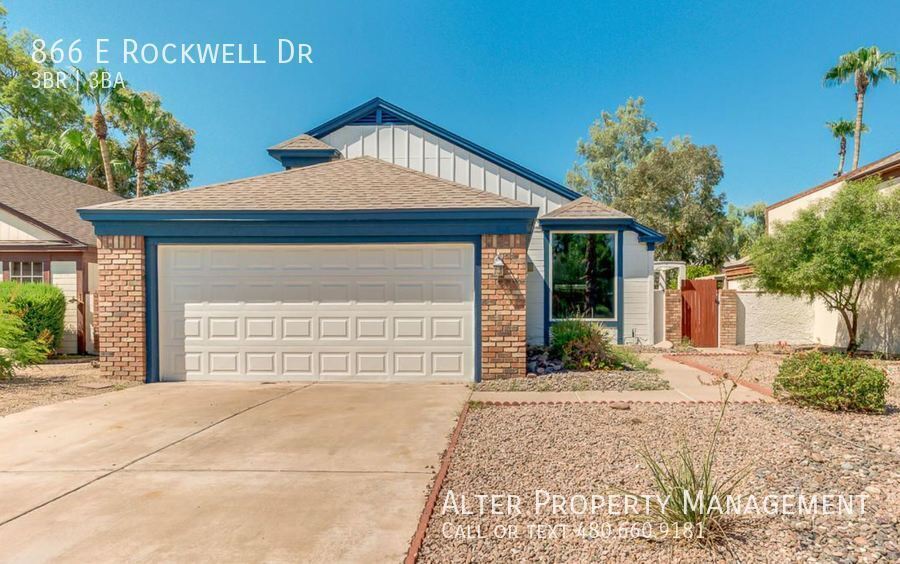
141	115
77	150
840	129
865	66
97	93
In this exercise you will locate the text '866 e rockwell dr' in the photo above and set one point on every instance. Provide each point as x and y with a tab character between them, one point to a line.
388	249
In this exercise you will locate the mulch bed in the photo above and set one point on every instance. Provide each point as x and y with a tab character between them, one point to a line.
590	449
611	380
51	383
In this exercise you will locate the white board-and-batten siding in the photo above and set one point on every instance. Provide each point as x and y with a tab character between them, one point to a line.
417	149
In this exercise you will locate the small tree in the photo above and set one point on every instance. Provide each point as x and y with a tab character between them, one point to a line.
832	250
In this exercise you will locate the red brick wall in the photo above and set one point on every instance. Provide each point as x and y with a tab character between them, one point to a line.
503	307
727	318
673	316
120	305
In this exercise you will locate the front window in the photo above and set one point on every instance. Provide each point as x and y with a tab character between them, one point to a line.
26	271
583	275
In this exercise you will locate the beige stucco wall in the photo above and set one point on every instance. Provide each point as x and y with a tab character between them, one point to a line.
766	319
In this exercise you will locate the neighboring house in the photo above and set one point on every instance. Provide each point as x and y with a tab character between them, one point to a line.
389	249
764	318
42	239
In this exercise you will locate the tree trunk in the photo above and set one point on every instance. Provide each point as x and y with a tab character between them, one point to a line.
843	155
850	318
140	164
857	132
100	131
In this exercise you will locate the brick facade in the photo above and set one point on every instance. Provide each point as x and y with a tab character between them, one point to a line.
121	306
728	306
673	316
503	343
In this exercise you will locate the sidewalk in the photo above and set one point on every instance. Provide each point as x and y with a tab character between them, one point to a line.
688	385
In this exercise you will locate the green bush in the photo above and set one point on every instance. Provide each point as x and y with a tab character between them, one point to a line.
566	331
583	345
700	270
16	348
833	382
41	307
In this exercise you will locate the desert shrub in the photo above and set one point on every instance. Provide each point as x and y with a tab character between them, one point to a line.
582	345
628	359
593	351
41	307
564	332
686	476
16	348
831	381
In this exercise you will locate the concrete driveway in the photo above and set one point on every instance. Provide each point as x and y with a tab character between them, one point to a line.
224	472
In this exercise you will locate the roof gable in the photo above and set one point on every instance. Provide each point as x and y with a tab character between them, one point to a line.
302	142
359	184
377	111
585	208
50	201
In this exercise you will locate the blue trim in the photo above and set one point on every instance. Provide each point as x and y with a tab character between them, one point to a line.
619	323
645	234
347	118
620	288
151	283
296	158
547	296
257	224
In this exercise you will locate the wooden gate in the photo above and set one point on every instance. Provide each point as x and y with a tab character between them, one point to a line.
700	312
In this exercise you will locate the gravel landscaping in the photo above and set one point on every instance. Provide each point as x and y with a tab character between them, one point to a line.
590	450
761	368
612	380
51	383
757	368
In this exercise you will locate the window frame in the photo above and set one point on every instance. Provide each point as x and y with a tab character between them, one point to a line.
615	254
30	278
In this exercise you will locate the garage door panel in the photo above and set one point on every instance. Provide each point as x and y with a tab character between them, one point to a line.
379	312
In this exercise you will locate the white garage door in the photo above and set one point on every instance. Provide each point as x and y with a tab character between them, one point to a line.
316	312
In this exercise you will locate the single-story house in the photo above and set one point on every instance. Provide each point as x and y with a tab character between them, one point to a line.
388	249
42	239
765	318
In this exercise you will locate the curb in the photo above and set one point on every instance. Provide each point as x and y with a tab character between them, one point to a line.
419	536
758	388
609	402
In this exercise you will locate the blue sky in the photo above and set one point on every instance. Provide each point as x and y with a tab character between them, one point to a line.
524	79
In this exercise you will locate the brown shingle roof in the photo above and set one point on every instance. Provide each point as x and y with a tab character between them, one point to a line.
303	142
50	200
584	208
363	183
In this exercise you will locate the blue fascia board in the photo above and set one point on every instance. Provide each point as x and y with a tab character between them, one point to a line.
256	224
377	103
645	234
152	277
279	153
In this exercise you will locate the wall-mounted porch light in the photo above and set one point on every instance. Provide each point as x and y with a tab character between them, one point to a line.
499	267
